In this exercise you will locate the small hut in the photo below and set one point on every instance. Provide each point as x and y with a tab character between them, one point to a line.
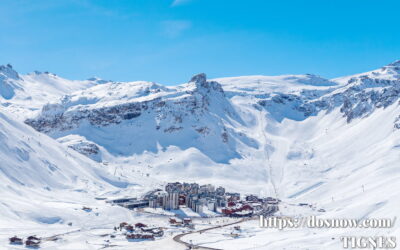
32	241
123	224
129	228
16	241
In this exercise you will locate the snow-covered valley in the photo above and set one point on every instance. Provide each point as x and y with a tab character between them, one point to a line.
301	138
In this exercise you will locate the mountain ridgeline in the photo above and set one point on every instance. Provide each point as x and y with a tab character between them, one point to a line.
206	114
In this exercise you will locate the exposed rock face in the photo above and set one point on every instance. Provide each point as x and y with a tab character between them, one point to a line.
83	146
359	98
7	71
397	123
7	86
197	109
203	86
69	113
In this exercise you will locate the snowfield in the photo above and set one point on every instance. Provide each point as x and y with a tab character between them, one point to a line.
333	144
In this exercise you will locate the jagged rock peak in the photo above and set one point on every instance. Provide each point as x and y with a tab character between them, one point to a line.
395	64
202	85
37	72
8	71
199	78
392	70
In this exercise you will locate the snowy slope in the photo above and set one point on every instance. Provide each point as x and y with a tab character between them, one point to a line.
34	163
261	85
24	95
44	186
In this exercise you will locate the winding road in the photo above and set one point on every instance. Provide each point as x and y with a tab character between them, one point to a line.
178	237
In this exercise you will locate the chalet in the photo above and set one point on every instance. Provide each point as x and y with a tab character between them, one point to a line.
15	240
157	232
175	221
187	221
32	241
239	210
147	229
33	237
252	198
140	225
129	228
144	236
123	225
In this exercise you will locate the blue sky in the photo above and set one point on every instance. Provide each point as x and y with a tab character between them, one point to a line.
167	41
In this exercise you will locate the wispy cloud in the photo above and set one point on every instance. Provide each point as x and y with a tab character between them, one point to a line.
179	2
174	28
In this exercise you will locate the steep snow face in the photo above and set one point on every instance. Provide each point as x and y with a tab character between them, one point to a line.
24	95
34	160
44	183
131	118
44	186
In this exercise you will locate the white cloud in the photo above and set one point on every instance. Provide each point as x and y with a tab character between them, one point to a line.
174	28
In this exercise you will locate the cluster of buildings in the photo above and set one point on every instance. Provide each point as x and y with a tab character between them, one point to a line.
198	197
139	231
191	195
185	222
31	241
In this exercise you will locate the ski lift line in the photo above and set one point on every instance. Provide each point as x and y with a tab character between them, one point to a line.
266	153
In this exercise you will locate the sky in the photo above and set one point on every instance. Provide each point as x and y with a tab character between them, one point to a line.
168	41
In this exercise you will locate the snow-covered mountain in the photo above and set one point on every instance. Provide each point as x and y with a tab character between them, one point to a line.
134	117
130	118
24	95
302	138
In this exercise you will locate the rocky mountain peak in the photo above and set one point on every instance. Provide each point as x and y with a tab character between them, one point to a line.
202	85
392	69
199	78
7	71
